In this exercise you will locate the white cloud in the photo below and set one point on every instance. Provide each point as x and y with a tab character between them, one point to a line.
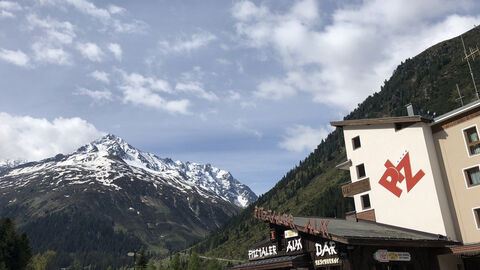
303	138
194	42
45	53
197	89
113	9
105	16
28	138
116	50
241	125
274	89
246	10
8	5
6	14
234	95
90	9
223	61
143	91
15	57
354	51
100	76
90	51
57	32
96	95
7	8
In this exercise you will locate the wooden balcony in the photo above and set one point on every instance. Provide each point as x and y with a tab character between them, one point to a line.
355	188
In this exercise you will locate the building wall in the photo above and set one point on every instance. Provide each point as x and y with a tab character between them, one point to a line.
455	158
425	206
449	262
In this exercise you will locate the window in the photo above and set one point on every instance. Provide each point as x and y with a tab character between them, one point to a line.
361	171
365	201
356	142
473	142
472	175
476	213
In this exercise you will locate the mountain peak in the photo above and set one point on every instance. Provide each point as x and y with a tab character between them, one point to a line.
203	176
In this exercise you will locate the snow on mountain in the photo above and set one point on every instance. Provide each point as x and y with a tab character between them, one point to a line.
8	163
110	158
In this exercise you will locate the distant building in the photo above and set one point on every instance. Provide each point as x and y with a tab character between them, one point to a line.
421	174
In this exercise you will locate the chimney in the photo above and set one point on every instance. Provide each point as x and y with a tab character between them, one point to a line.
410	110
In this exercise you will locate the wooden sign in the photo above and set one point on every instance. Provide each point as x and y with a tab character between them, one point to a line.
262	252
383	255
290	233
355	188
326	254
294	245
315	228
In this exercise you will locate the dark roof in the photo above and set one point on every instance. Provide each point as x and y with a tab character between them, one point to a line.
351	232
377	121
271	261
451	114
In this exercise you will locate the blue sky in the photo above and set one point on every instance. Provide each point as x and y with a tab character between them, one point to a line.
248	86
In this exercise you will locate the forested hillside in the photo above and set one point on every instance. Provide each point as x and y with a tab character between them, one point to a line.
313	187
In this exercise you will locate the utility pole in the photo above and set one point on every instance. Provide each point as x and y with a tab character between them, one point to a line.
467	57
460	97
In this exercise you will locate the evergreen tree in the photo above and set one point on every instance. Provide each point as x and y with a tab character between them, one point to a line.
194	262
151	265
213	265
76	265
142	260
40	261
15	249
175	263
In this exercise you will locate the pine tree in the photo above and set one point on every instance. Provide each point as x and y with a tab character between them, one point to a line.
142	260
15	251
151	265
175	264
213	265
194	262
40	261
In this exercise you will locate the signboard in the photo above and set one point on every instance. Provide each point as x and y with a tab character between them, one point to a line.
326	254
328	261
394	174
272	235
291	233
262	252
288	221
383	255
327	248
294	245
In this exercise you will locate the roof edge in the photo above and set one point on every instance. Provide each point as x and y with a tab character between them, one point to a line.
378	121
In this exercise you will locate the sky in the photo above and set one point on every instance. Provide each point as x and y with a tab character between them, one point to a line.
248	86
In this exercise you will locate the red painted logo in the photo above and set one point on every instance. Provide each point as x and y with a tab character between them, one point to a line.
393	173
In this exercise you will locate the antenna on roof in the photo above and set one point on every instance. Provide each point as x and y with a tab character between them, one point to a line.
467	57
460	97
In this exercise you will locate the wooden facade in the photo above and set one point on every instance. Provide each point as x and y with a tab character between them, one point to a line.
332	244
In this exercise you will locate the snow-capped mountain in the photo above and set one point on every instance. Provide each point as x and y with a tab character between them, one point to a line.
184	175
99	159
137	196
9	163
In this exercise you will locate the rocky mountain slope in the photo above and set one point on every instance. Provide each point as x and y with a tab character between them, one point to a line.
313	187
112	193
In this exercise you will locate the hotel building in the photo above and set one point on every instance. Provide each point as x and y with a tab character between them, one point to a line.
421	174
